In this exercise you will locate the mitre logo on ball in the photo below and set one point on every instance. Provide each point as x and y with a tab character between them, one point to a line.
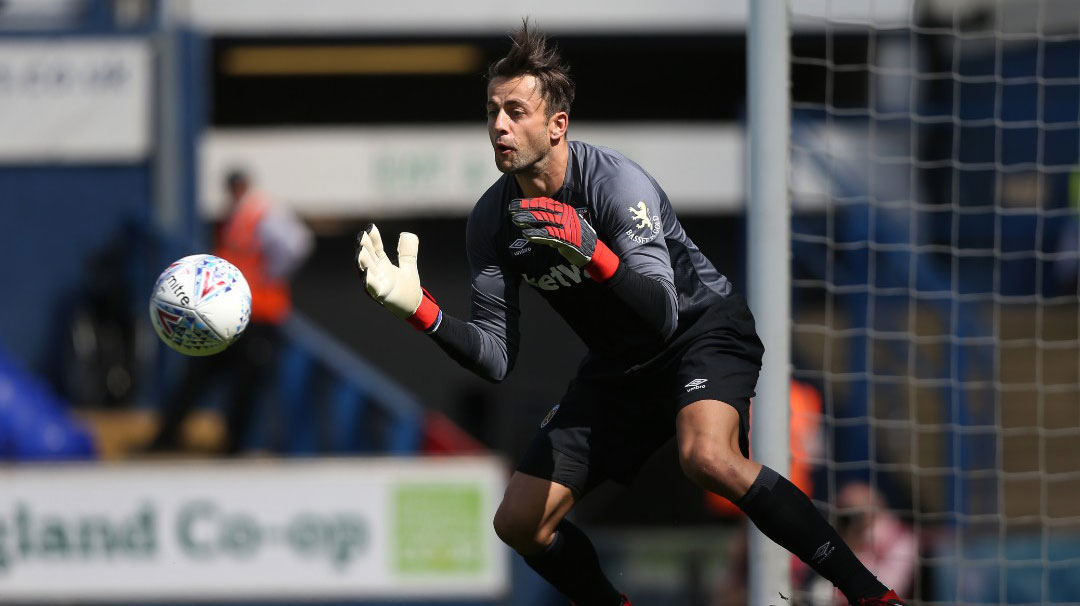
200	305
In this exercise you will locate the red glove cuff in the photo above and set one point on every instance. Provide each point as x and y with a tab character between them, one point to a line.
603	263
426	315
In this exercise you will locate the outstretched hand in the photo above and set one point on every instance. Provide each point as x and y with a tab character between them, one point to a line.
395	287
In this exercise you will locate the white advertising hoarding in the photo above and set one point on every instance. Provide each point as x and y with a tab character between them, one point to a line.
71	100
429	16
403	171
317	529
556	16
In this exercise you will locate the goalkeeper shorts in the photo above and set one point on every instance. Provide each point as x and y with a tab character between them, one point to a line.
607	424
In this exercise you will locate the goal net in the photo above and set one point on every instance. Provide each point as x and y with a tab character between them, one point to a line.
935	195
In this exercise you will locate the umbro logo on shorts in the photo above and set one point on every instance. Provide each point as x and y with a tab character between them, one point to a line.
696	384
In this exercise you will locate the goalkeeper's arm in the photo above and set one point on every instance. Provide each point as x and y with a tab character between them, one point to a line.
552	223
487	345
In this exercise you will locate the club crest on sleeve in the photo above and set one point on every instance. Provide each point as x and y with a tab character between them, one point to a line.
645	224
549	416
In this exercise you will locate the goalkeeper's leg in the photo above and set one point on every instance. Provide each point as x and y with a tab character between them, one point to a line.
711	454
531	520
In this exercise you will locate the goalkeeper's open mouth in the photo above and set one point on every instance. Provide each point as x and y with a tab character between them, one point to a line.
502	148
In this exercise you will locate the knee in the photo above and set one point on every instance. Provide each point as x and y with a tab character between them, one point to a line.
714	467
521	532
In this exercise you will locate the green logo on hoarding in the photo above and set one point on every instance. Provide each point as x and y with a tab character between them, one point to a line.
438	528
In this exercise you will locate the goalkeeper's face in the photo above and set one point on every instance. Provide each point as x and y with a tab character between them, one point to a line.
519	129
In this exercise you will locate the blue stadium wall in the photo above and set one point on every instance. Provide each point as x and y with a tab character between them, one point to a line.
54	220
58	220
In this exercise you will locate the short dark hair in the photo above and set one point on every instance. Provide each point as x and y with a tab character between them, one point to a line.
530	55
236	177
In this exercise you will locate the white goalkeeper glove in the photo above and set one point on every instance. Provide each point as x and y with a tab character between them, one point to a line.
396	287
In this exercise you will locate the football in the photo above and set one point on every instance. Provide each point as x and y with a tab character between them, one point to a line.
200	305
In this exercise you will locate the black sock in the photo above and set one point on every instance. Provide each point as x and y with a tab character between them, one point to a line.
787	516
571	565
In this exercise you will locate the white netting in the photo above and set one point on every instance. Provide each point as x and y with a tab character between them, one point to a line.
936	188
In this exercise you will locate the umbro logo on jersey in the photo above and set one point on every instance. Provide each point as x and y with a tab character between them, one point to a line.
696	384
520	247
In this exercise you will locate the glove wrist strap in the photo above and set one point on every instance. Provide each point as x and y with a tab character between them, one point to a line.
603	263
426	315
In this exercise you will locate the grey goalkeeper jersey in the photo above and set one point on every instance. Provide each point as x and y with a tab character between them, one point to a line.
632	216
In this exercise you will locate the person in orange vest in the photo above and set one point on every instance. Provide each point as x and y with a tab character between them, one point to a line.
805	444
267	243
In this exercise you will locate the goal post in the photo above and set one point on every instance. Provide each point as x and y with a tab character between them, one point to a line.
934	150
768	267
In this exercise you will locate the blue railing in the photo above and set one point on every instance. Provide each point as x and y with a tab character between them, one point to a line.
334	401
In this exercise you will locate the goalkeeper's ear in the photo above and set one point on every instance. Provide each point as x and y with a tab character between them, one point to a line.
558	123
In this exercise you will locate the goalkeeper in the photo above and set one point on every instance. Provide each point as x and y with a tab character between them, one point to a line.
672	347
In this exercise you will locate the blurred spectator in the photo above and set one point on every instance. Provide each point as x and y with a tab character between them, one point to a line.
880	539
884	543
99	343
267	243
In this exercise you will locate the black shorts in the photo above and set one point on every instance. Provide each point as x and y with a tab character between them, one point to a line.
608	424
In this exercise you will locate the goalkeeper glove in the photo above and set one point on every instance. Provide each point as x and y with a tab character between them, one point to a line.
550	222
396	287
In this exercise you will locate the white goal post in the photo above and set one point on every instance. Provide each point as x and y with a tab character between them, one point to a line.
768	266
922	279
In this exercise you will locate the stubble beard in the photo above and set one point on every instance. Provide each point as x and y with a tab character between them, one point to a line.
533	163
